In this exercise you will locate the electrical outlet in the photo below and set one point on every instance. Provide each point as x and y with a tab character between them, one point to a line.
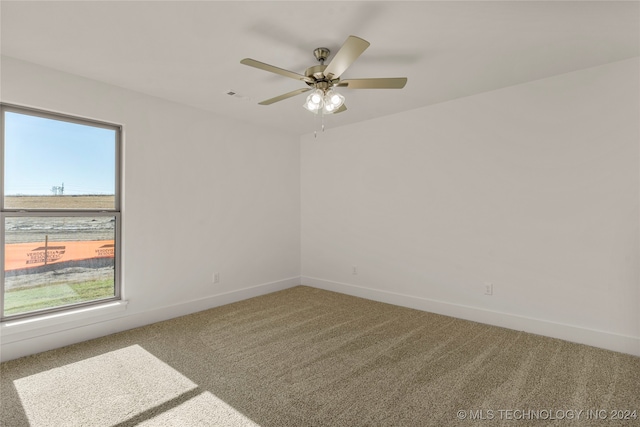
216	277
488	288
354	270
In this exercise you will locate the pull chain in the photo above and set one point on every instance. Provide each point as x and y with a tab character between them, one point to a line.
315	127
315	119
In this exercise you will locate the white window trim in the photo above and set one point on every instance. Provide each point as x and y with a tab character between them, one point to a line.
15	330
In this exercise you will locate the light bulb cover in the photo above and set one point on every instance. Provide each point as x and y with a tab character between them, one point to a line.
316	97
334	98
312	106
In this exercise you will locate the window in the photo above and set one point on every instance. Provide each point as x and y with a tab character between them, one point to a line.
60	212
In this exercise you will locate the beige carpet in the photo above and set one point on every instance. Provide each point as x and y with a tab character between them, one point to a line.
307	357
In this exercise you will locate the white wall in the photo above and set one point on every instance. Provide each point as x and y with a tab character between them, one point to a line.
534	188
201	194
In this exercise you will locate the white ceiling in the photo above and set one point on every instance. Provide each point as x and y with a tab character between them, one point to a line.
190	52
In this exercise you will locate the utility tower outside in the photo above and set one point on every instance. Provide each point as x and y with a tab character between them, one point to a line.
58	190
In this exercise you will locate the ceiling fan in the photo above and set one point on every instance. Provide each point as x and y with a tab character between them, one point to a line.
322	79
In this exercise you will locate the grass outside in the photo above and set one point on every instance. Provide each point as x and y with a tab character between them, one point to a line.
23	300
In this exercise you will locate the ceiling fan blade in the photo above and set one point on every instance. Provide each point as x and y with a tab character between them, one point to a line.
266	67
341	109
382	83
285	96
348	53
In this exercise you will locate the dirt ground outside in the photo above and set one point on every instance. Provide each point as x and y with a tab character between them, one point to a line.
60	202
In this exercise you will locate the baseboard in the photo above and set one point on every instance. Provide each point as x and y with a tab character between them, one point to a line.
595	338
36	340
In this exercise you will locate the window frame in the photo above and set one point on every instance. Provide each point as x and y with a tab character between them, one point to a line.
65	212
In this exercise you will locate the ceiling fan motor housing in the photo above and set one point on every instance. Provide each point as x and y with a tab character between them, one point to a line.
316	72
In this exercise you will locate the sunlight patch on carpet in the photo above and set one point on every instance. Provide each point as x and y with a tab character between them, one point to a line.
203	409
107	389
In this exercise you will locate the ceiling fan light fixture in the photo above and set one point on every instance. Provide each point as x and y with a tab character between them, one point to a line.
316	97
315	101
332	101
334	98
311	106
329	108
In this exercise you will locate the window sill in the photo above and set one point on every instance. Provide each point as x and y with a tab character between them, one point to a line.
59	321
